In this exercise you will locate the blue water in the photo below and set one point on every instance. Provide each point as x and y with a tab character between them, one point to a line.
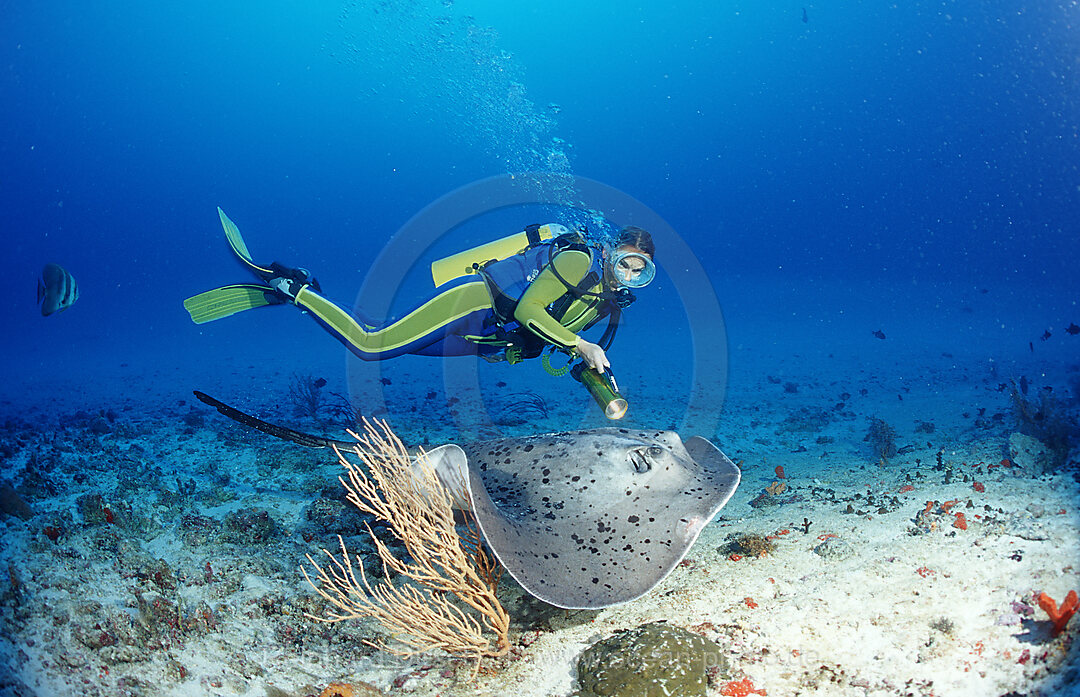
924	153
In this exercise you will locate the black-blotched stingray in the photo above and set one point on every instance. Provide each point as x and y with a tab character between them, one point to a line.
581	519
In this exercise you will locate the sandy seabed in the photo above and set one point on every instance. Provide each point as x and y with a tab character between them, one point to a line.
161	548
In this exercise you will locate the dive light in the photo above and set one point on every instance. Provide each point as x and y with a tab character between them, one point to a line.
603	388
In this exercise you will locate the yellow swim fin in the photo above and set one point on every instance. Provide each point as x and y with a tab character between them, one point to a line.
228	300
239	247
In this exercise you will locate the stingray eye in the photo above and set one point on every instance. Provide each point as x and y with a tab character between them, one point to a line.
655	451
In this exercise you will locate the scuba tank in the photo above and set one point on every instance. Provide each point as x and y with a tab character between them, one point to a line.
467	262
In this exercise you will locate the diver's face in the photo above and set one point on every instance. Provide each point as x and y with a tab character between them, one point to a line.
628	265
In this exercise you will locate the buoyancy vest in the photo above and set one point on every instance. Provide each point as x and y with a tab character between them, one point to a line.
507	279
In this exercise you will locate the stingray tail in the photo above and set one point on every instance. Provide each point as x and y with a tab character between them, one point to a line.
305	439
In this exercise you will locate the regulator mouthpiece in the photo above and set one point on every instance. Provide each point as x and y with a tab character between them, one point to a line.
604	390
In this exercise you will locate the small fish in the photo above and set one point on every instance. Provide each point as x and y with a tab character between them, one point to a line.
879	334
385	381
56	290
1023	384
805	19
1031	346
1072	329
319	384
1046	335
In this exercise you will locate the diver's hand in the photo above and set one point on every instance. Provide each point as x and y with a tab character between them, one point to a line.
593	355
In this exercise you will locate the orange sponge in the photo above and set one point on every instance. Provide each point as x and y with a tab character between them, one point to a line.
1059	615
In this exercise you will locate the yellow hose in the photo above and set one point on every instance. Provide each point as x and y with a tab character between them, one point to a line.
545	360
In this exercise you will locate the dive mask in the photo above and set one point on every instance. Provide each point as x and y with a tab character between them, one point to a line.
632	269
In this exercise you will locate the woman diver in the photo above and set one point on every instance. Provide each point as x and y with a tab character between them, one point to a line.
548	289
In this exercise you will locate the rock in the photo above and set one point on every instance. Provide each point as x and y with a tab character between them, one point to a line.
1030	530
92	508
338	689
175	671
1037	510
249	526
1031	456
99	426
12	504
326	516
157	614
652	660
833	548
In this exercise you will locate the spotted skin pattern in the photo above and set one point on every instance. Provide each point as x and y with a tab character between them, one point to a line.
590	519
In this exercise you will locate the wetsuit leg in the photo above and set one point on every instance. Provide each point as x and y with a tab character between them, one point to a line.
431	328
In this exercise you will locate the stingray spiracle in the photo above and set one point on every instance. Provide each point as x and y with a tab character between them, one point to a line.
639	458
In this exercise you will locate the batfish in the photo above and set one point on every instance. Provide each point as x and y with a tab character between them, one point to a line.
56	290
581	519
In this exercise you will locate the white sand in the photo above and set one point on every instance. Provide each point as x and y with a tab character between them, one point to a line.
867	624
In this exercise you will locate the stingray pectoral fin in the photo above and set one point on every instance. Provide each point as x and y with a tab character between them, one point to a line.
722	471
722	475
452	468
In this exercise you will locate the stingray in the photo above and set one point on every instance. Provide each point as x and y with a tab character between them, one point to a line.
582	519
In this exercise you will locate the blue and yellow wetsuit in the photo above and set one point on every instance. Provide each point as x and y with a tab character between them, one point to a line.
462	318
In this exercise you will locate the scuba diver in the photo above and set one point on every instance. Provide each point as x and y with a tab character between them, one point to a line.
506	300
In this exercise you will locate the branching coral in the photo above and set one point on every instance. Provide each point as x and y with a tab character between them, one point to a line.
341	409
882	438
521	407
419	610
305	393
1046	420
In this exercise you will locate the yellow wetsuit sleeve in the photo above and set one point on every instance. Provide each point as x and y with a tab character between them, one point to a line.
531	311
